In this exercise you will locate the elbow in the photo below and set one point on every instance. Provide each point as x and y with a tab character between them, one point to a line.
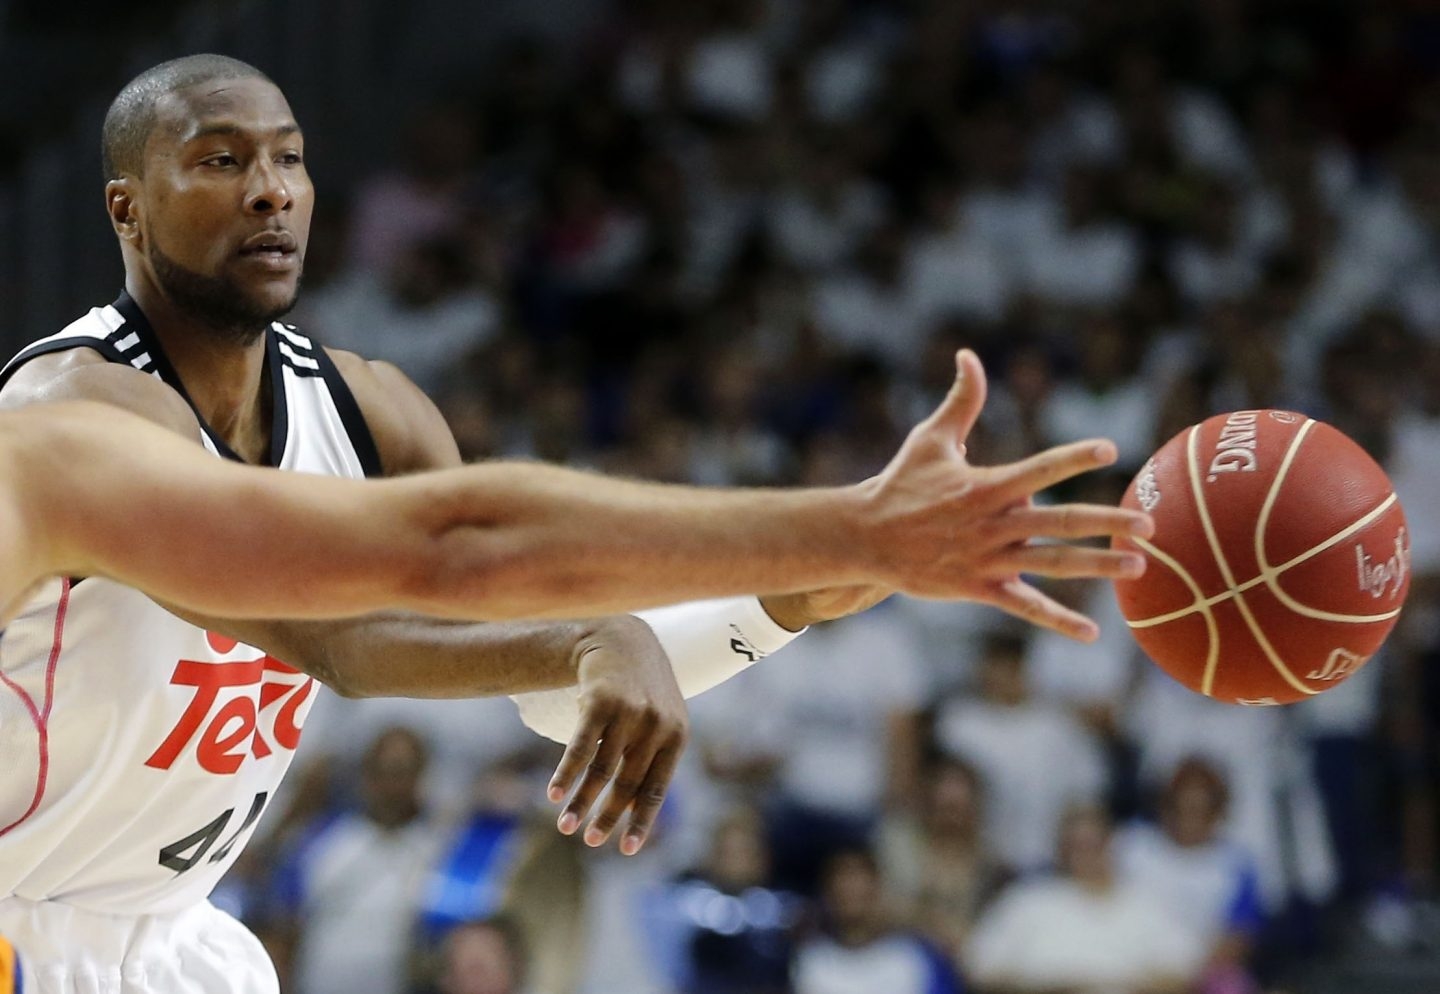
462	572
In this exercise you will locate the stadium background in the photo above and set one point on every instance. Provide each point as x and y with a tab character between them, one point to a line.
732	241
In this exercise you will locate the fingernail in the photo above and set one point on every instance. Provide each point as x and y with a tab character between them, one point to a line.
1142	527
568	823
1089	633
1105	452
1133	565
556	793
631	844
594	837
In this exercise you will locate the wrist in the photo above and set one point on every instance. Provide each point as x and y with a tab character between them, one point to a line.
865	537
624	633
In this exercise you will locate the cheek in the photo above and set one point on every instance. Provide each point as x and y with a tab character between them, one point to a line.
190	225
302	211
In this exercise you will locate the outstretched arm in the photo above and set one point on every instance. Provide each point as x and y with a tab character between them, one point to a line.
510	540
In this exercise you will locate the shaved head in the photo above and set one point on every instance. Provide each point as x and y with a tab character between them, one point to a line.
132	115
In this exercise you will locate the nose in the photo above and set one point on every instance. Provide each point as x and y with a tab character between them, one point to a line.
267	192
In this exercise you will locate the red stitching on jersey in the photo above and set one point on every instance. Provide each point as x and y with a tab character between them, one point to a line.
41	716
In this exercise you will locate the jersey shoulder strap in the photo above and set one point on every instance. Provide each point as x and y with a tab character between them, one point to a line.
307	360
104	330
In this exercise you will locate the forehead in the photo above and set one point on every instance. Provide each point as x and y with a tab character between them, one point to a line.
244	105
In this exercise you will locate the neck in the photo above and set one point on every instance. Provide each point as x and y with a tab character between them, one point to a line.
225	377
854	934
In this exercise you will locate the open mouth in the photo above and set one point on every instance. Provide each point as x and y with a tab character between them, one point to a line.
273	245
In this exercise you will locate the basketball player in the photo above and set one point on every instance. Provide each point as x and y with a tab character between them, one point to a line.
153	743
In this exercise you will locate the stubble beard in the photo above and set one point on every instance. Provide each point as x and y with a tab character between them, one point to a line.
215	303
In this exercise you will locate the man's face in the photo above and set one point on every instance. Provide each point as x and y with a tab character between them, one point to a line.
226	202
477	961
390	781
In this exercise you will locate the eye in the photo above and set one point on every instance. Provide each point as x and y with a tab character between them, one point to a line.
290	158
221	159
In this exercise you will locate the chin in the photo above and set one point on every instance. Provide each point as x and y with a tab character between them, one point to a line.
275	303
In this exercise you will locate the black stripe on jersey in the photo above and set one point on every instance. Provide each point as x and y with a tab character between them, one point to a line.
136	354
350	414
136	321
300	359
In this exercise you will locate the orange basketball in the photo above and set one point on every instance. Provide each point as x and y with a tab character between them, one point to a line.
1280	558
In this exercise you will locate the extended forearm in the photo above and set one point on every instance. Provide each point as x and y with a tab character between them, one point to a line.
541	541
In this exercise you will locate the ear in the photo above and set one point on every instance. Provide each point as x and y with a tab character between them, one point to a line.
122	203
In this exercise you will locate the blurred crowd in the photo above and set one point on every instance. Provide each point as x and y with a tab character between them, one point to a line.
736	242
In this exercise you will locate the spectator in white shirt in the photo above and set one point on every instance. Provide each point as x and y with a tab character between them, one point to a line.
1217	258
937	864
870	308
949	269
1084	930
1276	812
1036	758
1108	399
819	221
861	952
1202	878
1002	208
839	727
351	891
1086	257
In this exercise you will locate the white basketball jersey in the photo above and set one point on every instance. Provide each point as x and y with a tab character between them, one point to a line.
138	751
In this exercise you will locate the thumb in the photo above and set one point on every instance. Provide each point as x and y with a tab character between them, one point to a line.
958	412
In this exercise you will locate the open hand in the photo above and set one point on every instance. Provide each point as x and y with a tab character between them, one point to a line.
952	531
633	727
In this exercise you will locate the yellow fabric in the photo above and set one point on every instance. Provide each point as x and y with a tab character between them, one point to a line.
9	969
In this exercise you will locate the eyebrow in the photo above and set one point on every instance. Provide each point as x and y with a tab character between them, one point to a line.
225	128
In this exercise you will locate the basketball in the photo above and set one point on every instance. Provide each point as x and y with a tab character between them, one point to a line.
1279	563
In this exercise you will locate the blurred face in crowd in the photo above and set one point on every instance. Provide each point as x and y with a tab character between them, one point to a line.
739	859
1002	676
1215	221
478	960
1085	847
390	778
882	256
1194	805
221	216
851	891
1030	376
1082	197
952	802
1107	353
995	149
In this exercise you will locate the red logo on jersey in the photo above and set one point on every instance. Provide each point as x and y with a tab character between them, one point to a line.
229	733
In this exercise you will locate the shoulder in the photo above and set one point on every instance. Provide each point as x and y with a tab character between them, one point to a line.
410	433
82	374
